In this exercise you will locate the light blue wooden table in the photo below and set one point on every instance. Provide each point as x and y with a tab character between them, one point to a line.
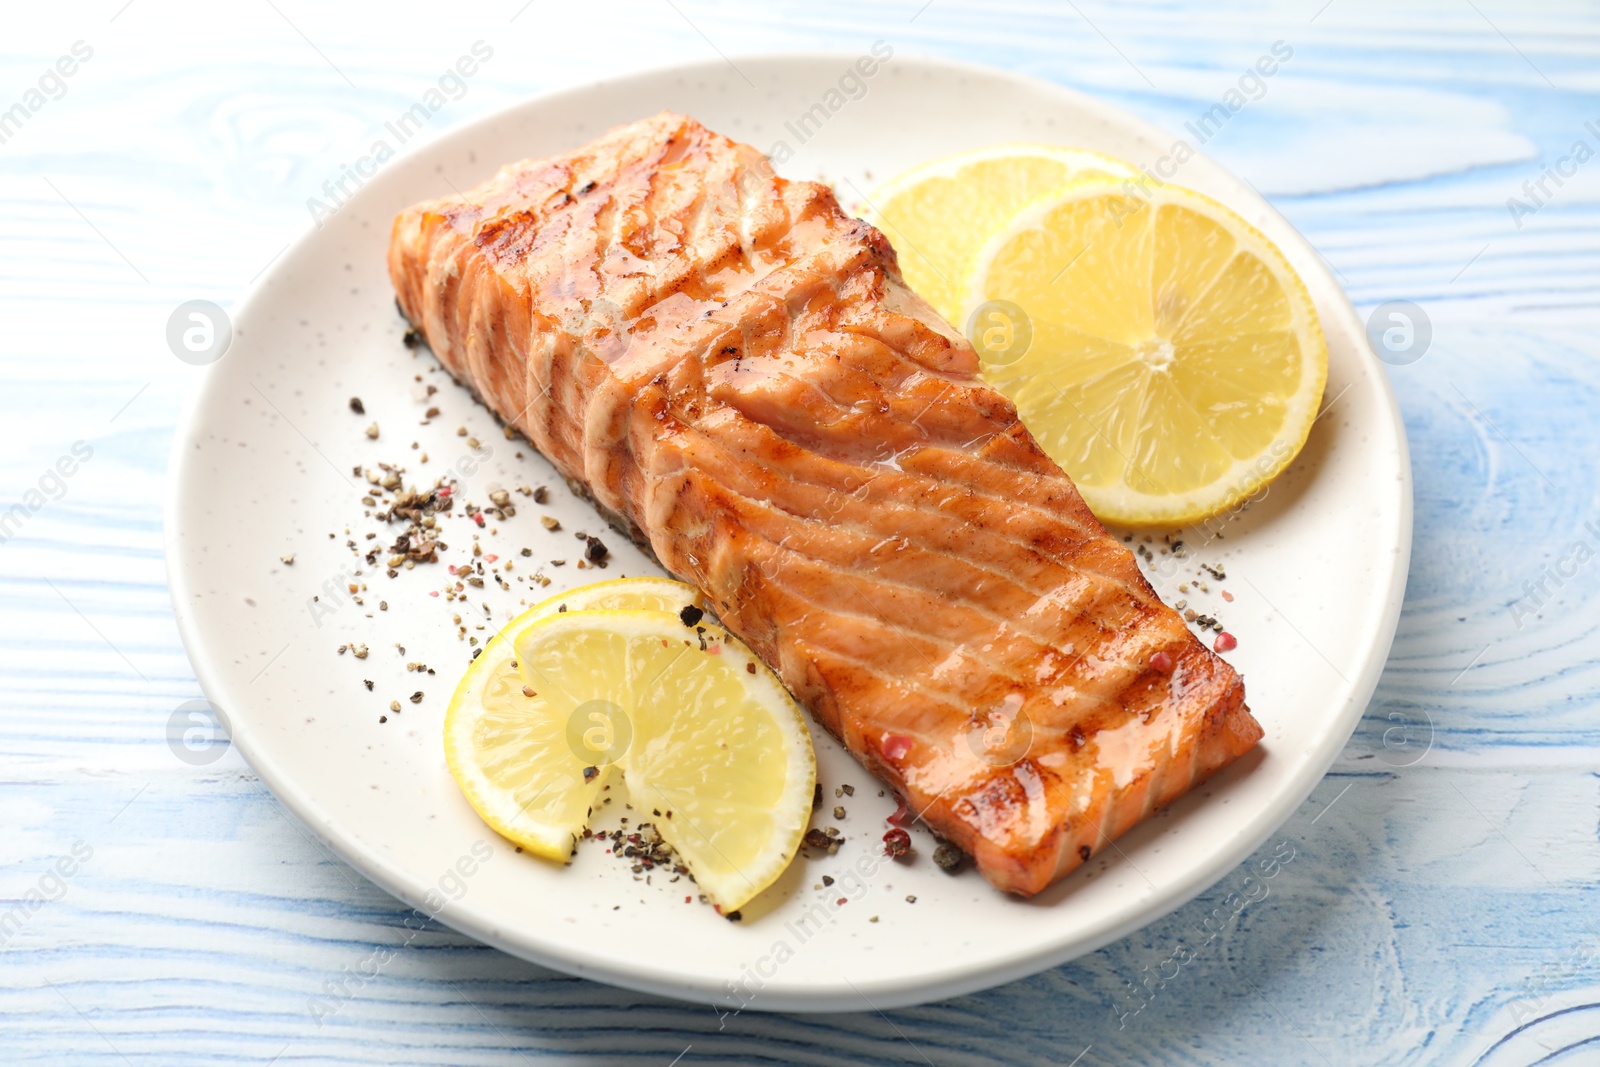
1441	906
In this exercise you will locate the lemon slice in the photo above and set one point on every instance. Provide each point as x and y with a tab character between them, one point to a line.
937	215
492	726
698	727
703	733
1157	345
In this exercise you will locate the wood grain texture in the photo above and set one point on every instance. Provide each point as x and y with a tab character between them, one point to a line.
1438	907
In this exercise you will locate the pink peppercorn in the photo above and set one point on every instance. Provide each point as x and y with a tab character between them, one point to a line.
901	816
1225	642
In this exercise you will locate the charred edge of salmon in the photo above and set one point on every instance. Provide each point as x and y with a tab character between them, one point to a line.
1228	732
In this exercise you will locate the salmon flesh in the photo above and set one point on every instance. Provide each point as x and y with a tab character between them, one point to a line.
733	369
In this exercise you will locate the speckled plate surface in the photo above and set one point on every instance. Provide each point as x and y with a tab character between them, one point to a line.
265	468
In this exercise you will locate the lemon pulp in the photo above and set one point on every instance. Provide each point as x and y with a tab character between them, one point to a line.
1173	362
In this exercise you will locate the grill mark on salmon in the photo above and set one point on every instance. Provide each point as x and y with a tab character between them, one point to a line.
734	371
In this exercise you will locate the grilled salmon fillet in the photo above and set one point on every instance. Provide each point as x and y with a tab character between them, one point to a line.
732	367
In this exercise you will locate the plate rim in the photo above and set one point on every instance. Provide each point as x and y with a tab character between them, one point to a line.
641	975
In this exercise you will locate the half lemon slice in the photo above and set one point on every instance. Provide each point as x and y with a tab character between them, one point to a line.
702	732
1158	346
938	214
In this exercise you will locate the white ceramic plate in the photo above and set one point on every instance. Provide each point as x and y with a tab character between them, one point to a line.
262	469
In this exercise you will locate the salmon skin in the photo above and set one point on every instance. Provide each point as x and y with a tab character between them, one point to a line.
732	367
